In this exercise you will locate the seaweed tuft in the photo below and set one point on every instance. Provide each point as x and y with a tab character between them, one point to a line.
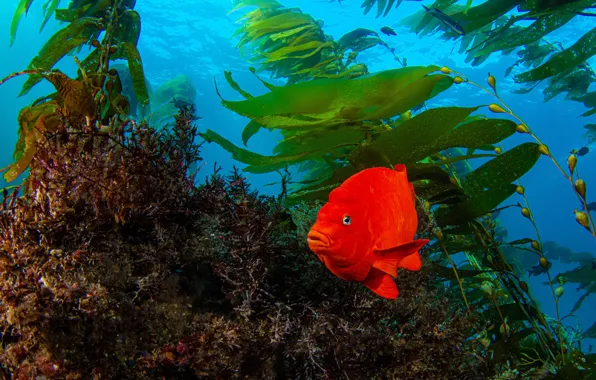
89	248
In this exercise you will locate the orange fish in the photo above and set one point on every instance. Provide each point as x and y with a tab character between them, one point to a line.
366	229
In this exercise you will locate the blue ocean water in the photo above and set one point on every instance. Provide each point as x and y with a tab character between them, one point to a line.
194	38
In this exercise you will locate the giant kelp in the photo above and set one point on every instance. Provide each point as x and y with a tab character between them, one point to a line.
331	103
337	127
383	6
113	264
291	44
169	96
488	31
85	23
360	39
97	92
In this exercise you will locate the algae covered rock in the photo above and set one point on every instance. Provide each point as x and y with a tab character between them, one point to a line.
173	94
115	265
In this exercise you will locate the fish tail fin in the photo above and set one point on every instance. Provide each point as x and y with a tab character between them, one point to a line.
402	256
412	261
381	284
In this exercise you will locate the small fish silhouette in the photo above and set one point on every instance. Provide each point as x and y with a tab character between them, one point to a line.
179	103
591	207
388	31
445	19
581	151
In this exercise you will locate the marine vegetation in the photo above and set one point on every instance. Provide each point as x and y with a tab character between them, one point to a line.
338	134
291	44
97	92
490	28
590	134
334	128
115	265
116	261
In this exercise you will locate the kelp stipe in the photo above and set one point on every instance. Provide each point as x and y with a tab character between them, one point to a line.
536	245
578	185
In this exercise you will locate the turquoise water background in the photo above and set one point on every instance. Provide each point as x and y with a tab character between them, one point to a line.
193	38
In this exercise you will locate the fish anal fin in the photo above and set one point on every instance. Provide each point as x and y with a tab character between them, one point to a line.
402	256
388	266
381	284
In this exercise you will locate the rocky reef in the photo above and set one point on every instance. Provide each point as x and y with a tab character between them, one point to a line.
115	264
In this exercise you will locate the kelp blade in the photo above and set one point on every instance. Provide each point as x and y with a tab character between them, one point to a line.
259	163
60	44
335	101
430	132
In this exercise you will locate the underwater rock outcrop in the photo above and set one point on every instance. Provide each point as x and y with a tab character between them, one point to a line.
114	265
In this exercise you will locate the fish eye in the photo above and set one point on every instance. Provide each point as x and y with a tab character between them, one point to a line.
347	220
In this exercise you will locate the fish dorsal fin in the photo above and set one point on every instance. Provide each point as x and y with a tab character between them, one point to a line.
381	283
402	256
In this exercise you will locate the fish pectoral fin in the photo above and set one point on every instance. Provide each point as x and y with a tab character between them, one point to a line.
381	283
402	256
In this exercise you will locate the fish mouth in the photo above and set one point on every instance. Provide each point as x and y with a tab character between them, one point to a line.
317	239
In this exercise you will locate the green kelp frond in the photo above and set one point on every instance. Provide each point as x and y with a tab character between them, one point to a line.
96	94
489	29
590	134
360	39
589	101
578	53
85	22
22	9
288	43
331	102
48	9
61	43
428	134
266	164
334	114
137	73
583	279
591	332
